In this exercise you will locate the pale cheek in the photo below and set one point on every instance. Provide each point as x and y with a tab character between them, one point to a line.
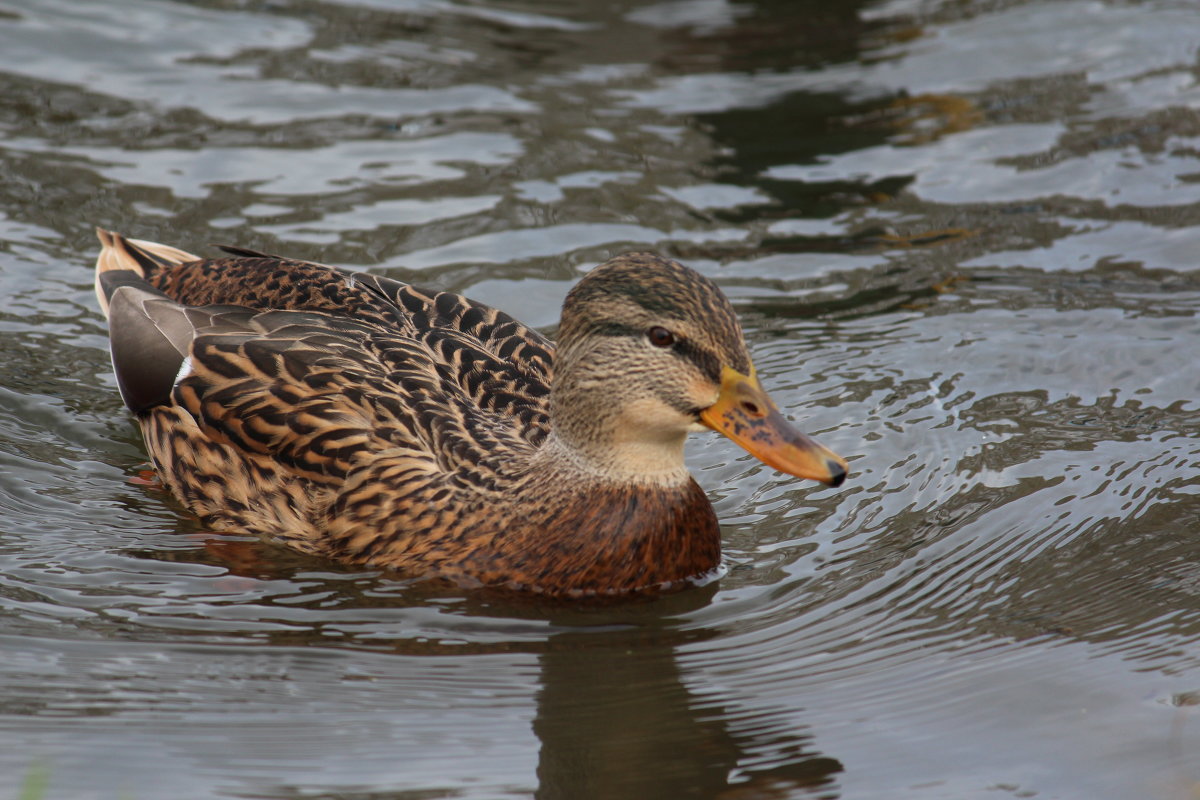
703	393
648	416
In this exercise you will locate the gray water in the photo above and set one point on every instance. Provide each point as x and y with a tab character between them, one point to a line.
963	238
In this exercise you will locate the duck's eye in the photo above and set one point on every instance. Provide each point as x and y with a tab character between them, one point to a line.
660	336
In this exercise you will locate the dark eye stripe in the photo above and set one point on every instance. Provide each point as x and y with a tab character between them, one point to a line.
705	360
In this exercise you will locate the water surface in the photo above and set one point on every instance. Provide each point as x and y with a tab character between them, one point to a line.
962	238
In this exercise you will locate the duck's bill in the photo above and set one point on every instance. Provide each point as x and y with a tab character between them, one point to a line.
745	414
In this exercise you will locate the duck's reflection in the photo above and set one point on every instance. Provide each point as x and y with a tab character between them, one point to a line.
617	715
616	719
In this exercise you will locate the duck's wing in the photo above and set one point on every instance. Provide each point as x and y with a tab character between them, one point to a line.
315	394
497	363
457	385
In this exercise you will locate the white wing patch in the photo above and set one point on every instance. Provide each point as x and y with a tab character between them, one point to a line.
185	369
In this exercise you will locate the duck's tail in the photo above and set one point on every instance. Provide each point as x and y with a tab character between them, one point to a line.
134	255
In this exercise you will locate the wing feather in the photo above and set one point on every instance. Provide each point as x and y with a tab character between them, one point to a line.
294	371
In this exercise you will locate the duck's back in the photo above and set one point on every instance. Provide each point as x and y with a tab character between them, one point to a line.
263	384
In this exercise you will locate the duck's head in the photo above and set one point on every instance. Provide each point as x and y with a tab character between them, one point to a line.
649	350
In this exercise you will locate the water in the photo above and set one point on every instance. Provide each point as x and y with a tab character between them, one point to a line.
962	238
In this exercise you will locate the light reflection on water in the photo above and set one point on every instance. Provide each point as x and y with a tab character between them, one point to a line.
963	255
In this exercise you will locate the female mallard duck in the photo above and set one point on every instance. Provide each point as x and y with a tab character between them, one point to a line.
365	420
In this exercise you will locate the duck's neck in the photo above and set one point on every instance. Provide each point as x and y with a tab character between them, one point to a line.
617	439
614	459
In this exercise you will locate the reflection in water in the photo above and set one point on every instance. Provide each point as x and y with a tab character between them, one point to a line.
615	720
615	717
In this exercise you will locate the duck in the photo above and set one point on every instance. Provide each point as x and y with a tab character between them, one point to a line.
372	422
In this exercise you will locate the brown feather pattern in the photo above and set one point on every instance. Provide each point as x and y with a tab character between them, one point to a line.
370	421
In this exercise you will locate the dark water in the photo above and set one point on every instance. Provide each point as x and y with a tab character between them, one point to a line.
963	237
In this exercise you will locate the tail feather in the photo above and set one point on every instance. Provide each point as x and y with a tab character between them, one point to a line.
135	255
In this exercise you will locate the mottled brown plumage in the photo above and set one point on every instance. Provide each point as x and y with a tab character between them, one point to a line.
369	421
